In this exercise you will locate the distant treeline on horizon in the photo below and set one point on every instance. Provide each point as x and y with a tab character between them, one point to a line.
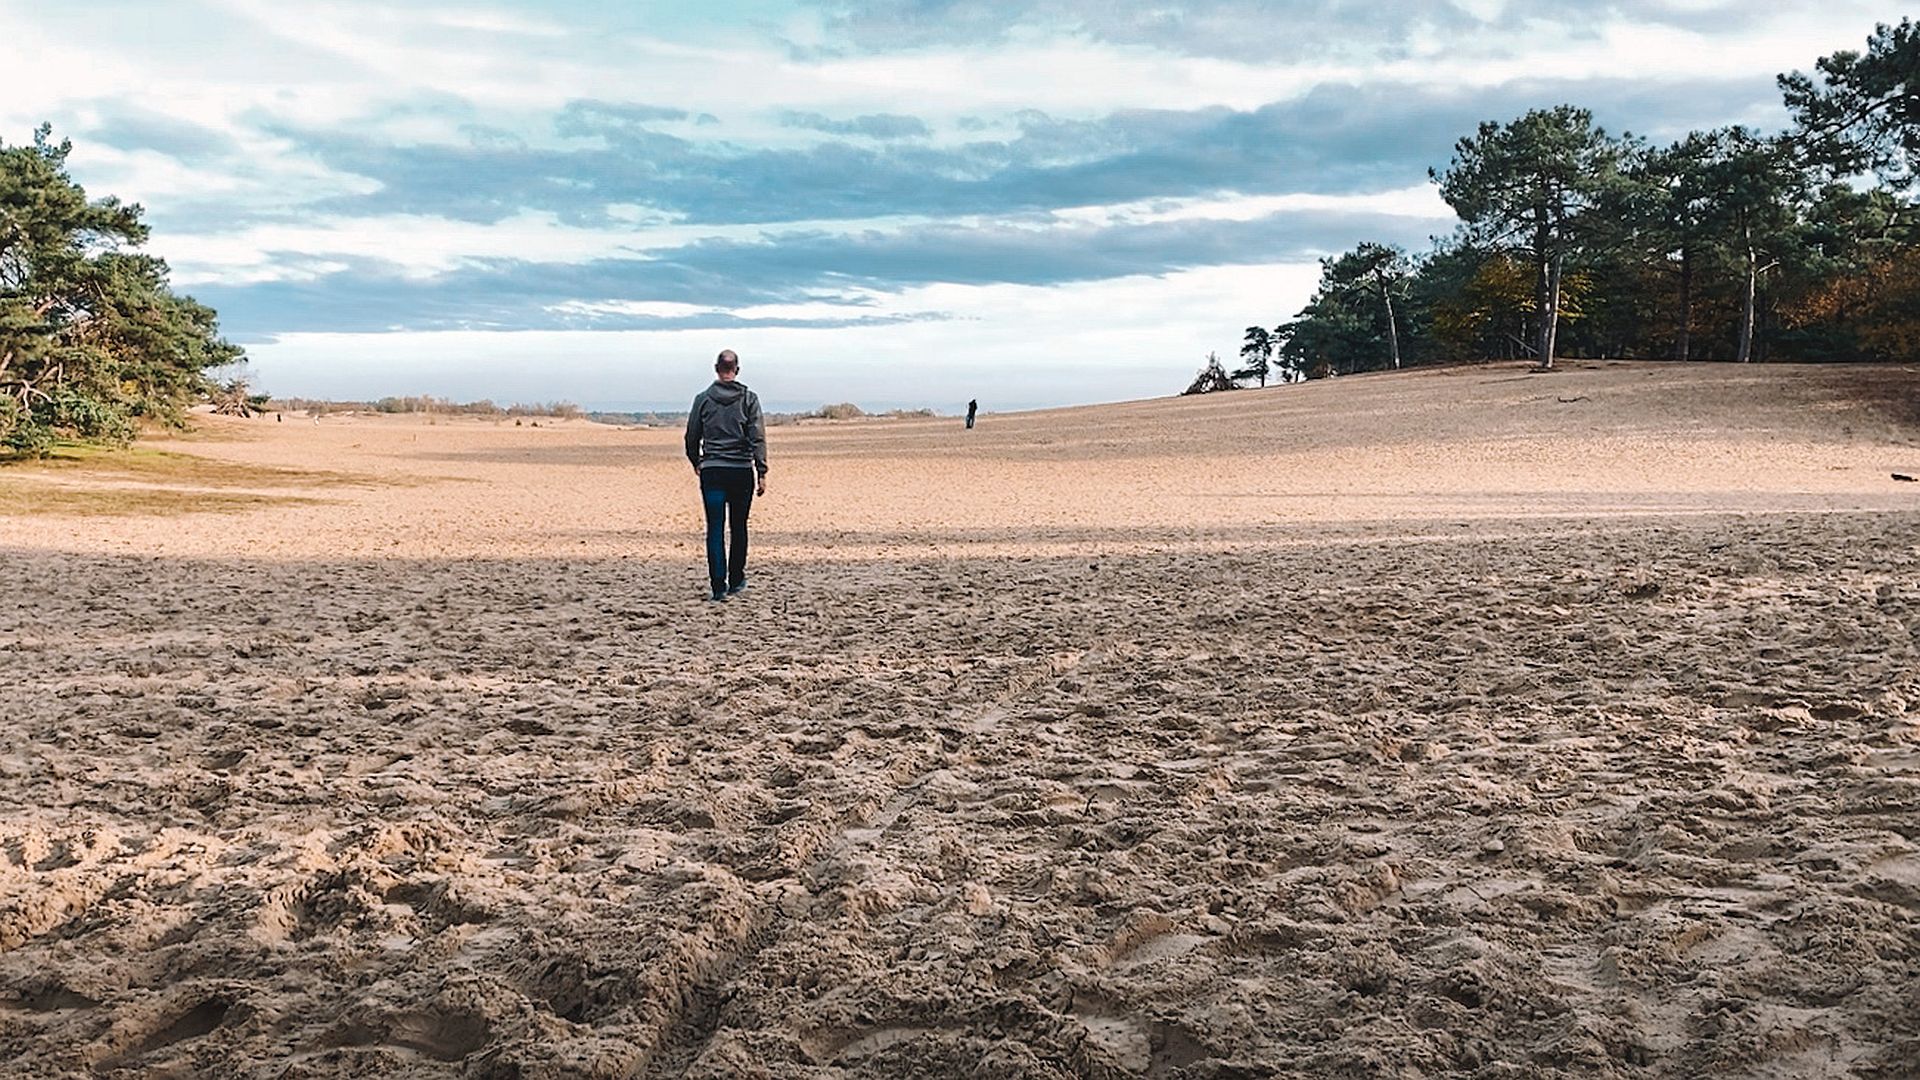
1726	244
428	405
844	410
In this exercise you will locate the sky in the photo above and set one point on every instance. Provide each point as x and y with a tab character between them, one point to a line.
898	203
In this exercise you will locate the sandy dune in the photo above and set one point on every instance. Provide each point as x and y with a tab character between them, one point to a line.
1462	722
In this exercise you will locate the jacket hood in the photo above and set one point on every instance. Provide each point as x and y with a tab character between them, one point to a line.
726	393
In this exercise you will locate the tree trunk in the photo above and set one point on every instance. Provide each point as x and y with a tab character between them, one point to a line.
1542	302
1552	333
1393	332
1686	304
1746	313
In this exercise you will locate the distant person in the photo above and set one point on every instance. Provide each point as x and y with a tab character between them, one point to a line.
727	444
972	407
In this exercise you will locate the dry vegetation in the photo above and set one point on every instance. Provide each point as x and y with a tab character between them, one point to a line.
93	481
149	465
25	498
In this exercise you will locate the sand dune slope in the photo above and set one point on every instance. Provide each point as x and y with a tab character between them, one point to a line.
1404	726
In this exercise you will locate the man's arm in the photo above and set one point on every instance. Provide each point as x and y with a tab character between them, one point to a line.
693	432
757	437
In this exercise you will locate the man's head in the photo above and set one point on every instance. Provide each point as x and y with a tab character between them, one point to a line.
727	366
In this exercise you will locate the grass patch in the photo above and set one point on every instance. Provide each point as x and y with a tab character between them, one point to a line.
196	433
35	497
165	467
95	481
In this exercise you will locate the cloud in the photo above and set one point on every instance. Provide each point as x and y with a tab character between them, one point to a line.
1011	346
1270	32
611	118
1239	29
1336	138
859	167
873	126
131	127
720	277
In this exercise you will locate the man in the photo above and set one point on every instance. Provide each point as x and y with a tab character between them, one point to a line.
972	407
727	444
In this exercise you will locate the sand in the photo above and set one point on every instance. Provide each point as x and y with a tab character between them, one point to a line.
1447	723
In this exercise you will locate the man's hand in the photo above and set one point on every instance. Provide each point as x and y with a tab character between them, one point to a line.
762	488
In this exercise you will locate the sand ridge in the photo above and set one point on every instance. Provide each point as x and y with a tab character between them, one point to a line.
1104	746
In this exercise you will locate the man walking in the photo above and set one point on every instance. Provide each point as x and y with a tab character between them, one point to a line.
727	444
973	406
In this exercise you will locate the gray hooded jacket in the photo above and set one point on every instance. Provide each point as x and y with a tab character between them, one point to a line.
725	429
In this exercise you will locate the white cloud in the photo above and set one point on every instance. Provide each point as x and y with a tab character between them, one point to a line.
1011	346
267	182
411	73
1484	10
420	246
650	309
495	22
342	64
423	246
1420	201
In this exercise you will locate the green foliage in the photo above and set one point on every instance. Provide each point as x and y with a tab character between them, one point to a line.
1257	353
1862	112
1355	320
1331	336
1369	275
1726	244
1540	185
92	339
20	436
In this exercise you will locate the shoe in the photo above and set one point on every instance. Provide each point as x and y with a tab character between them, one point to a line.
740	588
717	595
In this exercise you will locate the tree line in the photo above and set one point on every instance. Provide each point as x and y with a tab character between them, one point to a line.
92	338
1801	245
429	405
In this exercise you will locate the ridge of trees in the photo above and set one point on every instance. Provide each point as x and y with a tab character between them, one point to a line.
92	338
1730	243
429	405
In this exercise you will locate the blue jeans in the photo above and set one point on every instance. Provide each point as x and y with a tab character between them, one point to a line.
727	494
